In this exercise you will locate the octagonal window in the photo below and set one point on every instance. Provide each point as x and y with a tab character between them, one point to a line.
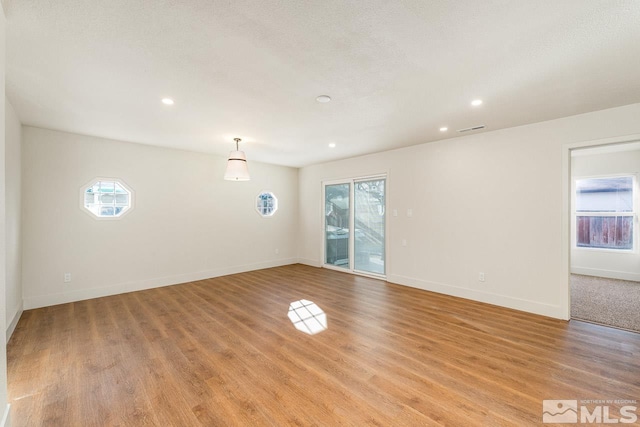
107	198
266	204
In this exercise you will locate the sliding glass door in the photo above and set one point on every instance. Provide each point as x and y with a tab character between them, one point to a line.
355	224
337	219
369	218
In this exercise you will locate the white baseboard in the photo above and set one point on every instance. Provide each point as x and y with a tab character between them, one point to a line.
611	274
309	262
6	417
14	322
84	294
534	307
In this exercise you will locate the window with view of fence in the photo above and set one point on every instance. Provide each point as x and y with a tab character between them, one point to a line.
605	212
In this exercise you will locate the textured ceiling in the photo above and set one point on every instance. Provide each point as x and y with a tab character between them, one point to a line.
396	70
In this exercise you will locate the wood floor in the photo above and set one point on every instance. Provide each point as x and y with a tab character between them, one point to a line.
223	352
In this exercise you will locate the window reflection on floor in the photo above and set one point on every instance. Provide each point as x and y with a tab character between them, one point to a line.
307	317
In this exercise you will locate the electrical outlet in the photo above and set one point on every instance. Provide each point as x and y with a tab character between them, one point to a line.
481	277
404	242
67	277
277	251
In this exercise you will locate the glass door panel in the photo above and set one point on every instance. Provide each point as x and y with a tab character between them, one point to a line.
336	227
369	229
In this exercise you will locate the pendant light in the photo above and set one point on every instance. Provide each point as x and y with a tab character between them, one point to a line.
237	169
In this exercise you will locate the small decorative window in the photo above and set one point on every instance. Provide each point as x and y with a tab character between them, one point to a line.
106	198
266	204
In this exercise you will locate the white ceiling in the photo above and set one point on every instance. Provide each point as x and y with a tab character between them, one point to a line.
397	70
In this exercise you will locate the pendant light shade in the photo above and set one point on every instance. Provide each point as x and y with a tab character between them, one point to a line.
237	169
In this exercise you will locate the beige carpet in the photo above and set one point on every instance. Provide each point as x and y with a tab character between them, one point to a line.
608	302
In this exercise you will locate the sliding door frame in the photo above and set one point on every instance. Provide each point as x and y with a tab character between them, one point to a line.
351	247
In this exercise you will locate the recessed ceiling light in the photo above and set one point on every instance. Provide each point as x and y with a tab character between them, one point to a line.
332	145
476	102
323	98
444	129
167	101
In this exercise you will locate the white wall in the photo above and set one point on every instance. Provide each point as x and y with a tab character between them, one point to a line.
4	406
491	202
606	263
13	170
188	223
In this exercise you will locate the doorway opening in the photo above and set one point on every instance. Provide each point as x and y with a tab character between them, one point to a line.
604	235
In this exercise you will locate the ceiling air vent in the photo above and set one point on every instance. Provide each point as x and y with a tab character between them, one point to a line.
471	128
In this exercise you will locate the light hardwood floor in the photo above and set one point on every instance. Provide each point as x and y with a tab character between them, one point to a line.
223	352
